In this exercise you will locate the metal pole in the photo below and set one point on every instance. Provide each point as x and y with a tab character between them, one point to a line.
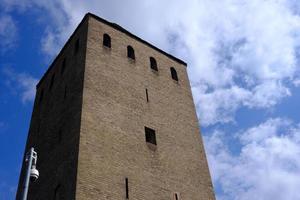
28	159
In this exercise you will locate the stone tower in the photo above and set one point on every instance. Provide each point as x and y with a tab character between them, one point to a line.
114	119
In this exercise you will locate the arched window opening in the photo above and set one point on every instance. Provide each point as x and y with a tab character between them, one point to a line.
52	81
130	52
153	64
106	40
174	74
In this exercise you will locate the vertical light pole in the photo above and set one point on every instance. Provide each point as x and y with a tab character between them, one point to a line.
31	171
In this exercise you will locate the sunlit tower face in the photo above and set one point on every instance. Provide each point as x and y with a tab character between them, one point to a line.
114	119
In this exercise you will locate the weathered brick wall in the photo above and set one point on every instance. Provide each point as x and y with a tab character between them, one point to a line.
102	122
55	124
114	114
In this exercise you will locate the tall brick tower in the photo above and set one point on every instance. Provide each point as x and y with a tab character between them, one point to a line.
114	119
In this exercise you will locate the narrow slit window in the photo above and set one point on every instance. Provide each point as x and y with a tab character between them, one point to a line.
130	52
76	49
126	187
41	96
63	66
57	193
52	81
147	96
150	135
106	40
59	136
153	64
65	93
39	127
176	196
174	74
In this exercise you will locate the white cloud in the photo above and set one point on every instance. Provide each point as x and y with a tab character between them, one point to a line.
21	84
240	54
220	105
49	43
267	94
245	50
8	33
296	82
266	167
253	40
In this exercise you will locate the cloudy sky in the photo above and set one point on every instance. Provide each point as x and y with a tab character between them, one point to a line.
243	58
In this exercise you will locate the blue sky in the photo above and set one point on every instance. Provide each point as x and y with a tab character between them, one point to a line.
243	63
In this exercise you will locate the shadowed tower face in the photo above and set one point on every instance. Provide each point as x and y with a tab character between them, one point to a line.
114	119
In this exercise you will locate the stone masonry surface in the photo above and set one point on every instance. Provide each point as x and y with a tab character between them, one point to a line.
89	129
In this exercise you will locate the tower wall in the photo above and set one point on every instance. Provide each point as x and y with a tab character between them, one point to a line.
55	123
114	114
89	128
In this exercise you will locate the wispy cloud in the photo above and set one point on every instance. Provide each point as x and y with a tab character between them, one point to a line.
266	167
8	33
296	82
21	84
240	53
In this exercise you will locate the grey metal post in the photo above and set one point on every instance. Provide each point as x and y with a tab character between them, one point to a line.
28	159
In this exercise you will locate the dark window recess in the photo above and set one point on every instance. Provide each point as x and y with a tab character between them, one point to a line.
153	64
130	52
176	196
52	81
147	96
174	74
127	190
57	193
76	49
39	127
150	135
65	93
106	40
59	136
41	96
63	66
